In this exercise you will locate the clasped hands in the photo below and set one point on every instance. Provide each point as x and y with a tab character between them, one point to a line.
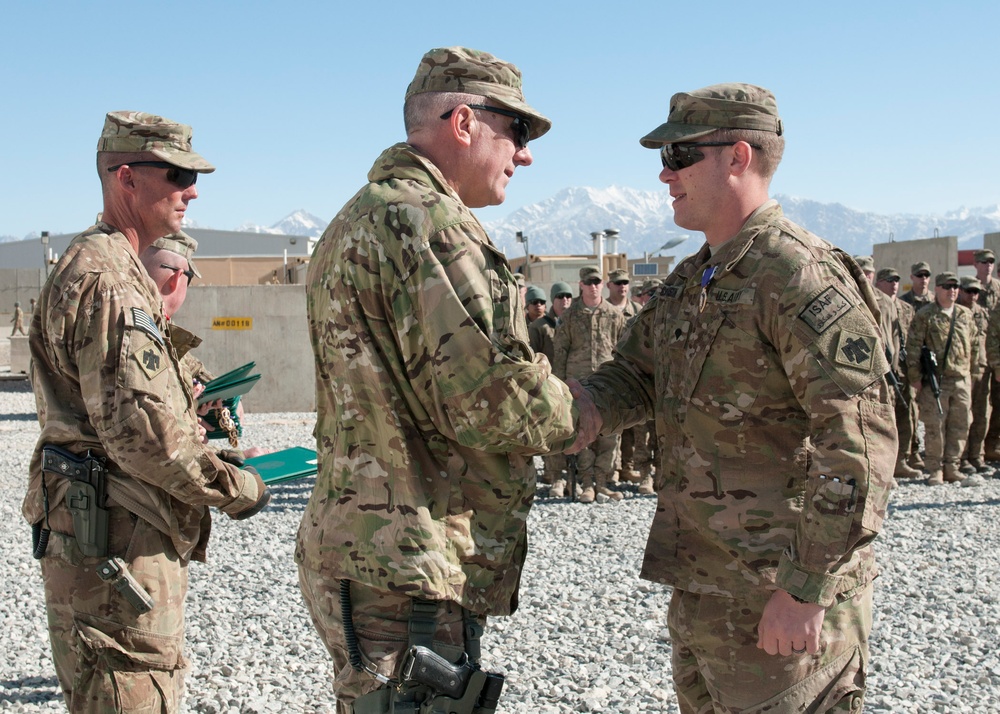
590	421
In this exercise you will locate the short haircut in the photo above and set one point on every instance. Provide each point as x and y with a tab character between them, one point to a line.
766	158
421	109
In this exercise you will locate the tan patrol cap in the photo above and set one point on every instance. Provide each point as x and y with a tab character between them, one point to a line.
591	271
946	278
460	69
720	106
617	276
981	256
139	132
182	244
920	267
866	262
971	283
886	274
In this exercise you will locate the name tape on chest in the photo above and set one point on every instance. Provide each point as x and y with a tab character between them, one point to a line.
825	309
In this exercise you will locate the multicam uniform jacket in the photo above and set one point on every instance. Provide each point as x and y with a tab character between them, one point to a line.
106	379
931	327
585	338
430	401
542	332
764	370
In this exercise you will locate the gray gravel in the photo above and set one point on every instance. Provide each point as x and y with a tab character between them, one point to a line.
590	636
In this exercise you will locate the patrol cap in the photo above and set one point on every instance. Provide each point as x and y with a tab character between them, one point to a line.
946	278
981	256
720	106
616	276
886	274
535	293
559	289
920	267
650	285
460	69
591	271
139	132
971	283
182	244
519	279
866	262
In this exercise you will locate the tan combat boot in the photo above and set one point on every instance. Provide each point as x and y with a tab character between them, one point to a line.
936	478
904	470
558	489
587	495
646	487
952	474
602	488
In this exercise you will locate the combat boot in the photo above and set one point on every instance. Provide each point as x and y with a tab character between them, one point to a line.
952	474
936	478
587	495
632	476
602	488
558	489
967	468
916	461
646	487
992	453
904	470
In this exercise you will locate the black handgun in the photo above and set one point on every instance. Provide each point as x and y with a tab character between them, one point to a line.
426	667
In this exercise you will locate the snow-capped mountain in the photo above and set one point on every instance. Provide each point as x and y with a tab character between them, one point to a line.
298	223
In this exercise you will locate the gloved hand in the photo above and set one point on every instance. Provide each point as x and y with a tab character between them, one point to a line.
232	456
262	500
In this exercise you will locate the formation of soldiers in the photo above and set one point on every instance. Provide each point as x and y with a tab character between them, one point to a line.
577	335
942	340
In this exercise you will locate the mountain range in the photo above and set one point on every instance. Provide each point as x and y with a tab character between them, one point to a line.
562	224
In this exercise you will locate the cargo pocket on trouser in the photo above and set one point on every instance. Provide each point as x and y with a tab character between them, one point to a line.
130	670
837	687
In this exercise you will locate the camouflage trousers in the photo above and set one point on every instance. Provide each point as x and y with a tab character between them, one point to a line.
596	463
381	623
717	666
906	420
980	417
108	657
945	434
553	466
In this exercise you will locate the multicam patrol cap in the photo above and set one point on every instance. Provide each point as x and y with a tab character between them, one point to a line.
139	132
920	267
651	285
182	244
971	283
459	69
559	289
618	276
946	278
720	106
982	256
865	262
887	274
591	271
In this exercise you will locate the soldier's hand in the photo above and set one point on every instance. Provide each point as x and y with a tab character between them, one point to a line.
262	499
589	424
790	627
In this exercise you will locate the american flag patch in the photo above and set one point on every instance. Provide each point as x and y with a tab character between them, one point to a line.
145	323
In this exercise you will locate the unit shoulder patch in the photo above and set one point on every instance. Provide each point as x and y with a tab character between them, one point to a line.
855	350
151	359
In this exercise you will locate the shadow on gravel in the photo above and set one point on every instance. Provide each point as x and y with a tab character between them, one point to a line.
15	386
30	690
949	504
18	417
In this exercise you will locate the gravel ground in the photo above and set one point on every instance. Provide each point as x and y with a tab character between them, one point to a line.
589	636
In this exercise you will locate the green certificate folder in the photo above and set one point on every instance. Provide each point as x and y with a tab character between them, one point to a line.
227	390
285	465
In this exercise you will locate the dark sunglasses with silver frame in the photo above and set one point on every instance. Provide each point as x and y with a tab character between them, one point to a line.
680	156
521	126
179	177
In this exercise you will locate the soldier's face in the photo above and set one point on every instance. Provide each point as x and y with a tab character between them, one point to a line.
889	287
590	290
946	294
536	308
920	282
561	303
161	203
984	270
699	190
618	290
494	155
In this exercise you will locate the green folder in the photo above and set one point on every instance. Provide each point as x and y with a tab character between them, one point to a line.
231	384
285	465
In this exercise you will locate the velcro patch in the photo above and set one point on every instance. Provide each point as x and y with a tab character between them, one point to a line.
670	291
151	359
855	350
825	309
145	323
679	333
744	296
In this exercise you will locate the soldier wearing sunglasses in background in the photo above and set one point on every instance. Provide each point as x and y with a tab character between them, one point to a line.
760	359
973	458
430	403
919	293
114	411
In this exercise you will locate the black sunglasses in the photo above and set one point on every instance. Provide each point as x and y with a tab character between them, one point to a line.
592	281
521	126
893	279
971	291
537	302
679	156
181	178
620	282
189	273
922	275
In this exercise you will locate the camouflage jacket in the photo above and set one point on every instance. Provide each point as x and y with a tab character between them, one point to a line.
106	379
430	402
541	334
931	327
183	342
773	418
917	302
989	296
981	317
585	338
993	342
630	308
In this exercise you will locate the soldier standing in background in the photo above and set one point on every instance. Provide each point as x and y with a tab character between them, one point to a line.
112	404
948	331
989	298
646	291
899	315
760	359
430	403
18	320
618	298
585	338
541	336
919	294
535	301
973	459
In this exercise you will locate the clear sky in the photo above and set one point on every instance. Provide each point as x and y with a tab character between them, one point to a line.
888	106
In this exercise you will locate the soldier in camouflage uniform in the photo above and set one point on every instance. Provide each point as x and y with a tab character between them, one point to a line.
973	459
760	359
618	297
919	294
647	290
430	403
989	298
18	320
584	339
541	335
896	317
108	383
949	330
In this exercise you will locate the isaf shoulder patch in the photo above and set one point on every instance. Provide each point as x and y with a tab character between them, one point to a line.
825	309
151	359
855	350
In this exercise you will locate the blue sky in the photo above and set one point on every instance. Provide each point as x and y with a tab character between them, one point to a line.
888	106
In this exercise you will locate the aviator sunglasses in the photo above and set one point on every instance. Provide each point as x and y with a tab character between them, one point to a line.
189	273
181	178
679	156
521	126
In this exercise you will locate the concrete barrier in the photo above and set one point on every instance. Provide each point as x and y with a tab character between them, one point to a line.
20	355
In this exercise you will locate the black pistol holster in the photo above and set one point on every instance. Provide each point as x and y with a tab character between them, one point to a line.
86	497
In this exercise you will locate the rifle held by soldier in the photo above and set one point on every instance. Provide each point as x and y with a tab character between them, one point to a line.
928	369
